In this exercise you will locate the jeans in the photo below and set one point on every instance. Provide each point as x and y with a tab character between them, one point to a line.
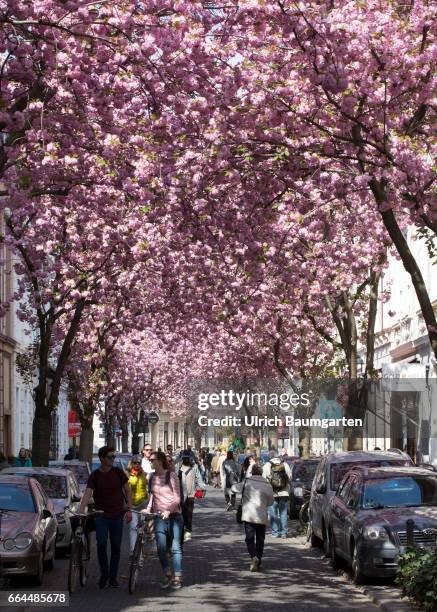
172	528
187	513
114	528
278	514
255	536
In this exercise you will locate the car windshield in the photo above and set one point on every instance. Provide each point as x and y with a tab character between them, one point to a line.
338	470
16	497
80	471
54	486
400	491
303	472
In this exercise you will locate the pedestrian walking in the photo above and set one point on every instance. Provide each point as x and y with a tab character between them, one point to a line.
230	475
257	496
23	459
190	481
215	469
137	480
110	489
279	475
165	499
246	470
145	461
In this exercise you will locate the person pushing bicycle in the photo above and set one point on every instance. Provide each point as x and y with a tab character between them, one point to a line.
110	488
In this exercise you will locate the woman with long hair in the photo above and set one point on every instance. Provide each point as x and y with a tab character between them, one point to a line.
165	501
138	486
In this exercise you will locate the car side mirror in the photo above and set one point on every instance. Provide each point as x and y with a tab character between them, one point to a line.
351	504
46	514
75	498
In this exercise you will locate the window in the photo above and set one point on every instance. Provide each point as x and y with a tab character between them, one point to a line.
17	498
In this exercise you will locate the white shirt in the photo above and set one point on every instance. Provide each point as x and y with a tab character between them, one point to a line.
147	466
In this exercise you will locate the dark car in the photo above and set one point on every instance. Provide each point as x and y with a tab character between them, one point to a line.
302	475
28	528
367	517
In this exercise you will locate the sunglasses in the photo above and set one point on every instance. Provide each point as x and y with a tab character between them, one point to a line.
111	456
152	460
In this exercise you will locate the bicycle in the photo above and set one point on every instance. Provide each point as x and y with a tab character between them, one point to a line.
137	558
79	551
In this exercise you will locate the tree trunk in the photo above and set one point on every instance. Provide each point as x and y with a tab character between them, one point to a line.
410	265
86	441
135	447
304	442
124	441
41	430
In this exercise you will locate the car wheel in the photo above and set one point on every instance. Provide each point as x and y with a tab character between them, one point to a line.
326	545
37	579
50	563
335	559
357	576
315	541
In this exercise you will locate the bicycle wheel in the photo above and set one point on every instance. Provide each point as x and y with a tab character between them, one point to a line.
74	565
134	566
83	575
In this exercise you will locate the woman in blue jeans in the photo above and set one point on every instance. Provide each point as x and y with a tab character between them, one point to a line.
165	501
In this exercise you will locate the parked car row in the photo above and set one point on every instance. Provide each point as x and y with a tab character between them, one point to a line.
360	504
36	505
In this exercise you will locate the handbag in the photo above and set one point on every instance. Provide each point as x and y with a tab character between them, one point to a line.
239	513
199	493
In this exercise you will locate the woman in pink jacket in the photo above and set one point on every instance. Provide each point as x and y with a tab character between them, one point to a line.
165	500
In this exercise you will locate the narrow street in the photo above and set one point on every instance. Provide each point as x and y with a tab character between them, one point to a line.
216	576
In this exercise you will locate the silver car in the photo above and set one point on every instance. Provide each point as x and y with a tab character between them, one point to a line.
329	475
81	469
27	528
62	488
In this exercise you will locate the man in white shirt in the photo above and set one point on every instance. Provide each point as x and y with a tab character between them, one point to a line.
145	461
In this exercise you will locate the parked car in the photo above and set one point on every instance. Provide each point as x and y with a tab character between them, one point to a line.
28	528
118	462
329	475
62	488
302	475
81	469
366	518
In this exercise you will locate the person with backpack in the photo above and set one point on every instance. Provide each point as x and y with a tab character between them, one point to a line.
230	475
190	481
165	501
110	488
278	473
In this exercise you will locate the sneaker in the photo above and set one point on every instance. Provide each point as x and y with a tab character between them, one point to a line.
102	582
284	537
176	583
254	566
113	583
187	536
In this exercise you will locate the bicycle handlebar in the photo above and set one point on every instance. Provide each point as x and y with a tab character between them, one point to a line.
88	514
